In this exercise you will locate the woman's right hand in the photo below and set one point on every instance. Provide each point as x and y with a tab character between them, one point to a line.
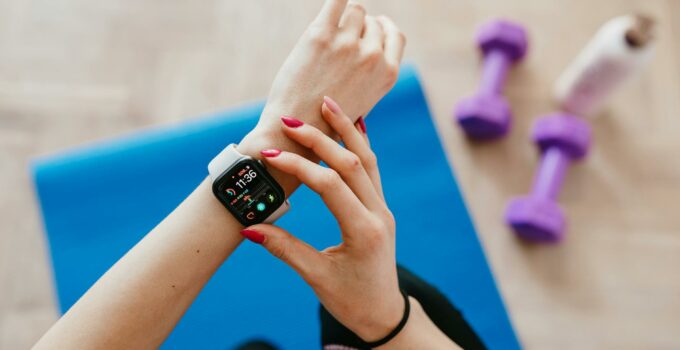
356	280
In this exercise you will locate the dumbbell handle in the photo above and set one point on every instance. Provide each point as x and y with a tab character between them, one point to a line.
553	167
496	64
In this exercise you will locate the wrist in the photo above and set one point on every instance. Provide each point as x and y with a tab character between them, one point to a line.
256	140
419	332
268	134
265	137
383	318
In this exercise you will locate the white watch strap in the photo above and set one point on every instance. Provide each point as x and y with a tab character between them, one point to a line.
224	160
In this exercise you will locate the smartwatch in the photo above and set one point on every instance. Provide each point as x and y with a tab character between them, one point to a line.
243	185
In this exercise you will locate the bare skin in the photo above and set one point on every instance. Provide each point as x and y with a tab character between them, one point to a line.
356	280
139	300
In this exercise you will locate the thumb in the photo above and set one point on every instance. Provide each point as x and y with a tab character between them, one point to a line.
296	253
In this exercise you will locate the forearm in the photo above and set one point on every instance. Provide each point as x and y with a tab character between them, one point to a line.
139	300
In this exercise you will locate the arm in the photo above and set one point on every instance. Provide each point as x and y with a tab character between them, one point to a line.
356	281
419	330
139	300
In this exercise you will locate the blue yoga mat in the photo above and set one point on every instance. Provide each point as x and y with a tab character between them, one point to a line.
98	200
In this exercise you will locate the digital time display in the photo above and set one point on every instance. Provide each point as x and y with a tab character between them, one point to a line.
248	191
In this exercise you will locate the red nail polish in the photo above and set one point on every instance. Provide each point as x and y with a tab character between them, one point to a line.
362	124
253	236
332	105
270	153
291	122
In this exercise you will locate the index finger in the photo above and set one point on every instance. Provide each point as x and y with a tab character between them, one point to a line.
335	193
331	12
353	139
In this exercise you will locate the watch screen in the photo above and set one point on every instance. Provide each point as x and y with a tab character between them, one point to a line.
249	192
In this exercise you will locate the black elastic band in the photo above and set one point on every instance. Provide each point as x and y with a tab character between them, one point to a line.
400	326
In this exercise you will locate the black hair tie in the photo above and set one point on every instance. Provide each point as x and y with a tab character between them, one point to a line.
396	330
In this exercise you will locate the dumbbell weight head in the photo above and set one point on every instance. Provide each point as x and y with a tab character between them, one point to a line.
506	36
484	116
487	114
567	132
538	216
536	219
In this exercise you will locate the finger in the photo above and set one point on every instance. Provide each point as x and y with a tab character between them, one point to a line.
373	36
346	163
331	12
353	139
339	199
352	22
373	173
299	255
394	41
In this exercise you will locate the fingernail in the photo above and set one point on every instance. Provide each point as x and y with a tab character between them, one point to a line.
362	124
332	105
291	122
270	153
253	236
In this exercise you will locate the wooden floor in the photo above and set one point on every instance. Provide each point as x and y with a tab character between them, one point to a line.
73	71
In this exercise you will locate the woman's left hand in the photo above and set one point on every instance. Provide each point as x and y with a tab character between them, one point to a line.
356	280
344	53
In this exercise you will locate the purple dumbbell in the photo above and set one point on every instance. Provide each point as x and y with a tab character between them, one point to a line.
487	114
561	138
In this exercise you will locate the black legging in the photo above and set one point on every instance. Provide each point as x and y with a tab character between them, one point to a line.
436	306
442	313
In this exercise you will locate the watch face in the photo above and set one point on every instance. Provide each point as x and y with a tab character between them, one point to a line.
249	192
